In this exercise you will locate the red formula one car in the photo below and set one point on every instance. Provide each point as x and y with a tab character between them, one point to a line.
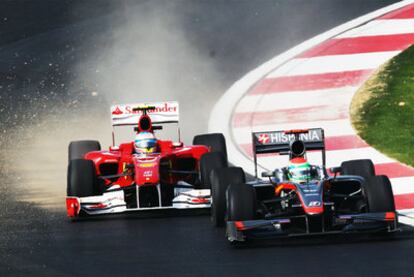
146	173
301	199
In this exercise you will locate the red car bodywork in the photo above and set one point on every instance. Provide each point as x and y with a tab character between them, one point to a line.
120	170
146	168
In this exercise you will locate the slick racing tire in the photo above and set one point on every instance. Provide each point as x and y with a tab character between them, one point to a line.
216	142
221	178
378	194
79	148
363	168
208	162
241	202
82	179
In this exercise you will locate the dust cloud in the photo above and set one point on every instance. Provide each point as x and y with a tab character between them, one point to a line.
137	53
146	57
60	76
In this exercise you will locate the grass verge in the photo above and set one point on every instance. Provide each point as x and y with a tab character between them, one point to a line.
382	111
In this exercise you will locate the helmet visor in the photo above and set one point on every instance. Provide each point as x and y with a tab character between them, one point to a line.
299	174
145	143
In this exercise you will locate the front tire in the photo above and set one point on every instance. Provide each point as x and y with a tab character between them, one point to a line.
82	179
208	162
241	202
221	179
378	194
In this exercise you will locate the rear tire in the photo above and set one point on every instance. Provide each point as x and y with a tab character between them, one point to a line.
82	179
221	178
77	149
378	194
364	168
216	142
208	162
241	202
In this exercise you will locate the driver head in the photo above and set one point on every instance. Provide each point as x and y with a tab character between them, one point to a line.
145	143
299	170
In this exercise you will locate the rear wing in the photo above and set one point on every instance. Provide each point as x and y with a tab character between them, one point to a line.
279	142
158	112
127	114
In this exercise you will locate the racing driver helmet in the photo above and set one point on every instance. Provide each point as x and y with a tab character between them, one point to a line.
145	143
299	170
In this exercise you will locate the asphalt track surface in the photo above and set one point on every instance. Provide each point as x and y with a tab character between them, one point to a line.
48	68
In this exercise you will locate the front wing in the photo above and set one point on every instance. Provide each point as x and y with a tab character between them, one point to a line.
112	202
281	227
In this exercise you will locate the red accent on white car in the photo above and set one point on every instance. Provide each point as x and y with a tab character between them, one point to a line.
72	206
200	200
124	114
117	111
264	138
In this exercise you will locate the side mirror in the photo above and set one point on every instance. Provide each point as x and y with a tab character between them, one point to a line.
335	170
177	144
113	148
268	174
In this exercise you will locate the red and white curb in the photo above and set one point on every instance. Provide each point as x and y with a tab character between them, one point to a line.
312	85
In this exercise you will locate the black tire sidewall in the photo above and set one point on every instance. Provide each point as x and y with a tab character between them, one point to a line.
82	179
77	149
378	194
221	179
216	143
208	162
241	202
364	168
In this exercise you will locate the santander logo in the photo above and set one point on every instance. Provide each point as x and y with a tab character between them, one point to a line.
163	108
117	111
264	138
159	108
